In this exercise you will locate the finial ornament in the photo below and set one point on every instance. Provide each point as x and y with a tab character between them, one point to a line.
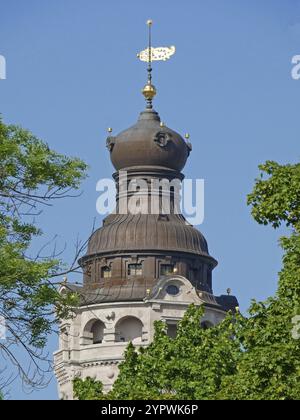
188	143
153	54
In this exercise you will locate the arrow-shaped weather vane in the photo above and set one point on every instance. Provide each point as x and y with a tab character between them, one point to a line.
153	54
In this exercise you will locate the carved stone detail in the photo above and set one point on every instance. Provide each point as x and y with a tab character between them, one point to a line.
110	316
88	269
162	138
103	261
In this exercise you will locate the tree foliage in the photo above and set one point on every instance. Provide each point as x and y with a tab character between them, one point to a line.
31	176
189	366
269	367
243	358
88	389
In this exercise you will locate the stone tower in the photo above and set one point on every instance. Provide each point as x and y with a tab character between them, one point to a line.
140	266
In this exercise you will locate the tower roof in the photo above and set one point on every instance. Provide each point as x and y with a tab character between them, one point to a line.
148	232
148	143
147	236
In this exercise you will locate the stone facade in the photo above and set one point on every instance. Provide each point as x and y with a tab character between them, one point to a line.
96	352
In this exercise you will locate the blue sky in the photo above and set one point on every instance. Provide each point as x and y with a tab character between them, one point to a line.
72	72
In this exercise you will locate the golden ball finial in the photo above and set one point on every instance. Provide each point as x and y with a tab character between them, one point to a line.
162	124
149	91
187	136
109	129
149	22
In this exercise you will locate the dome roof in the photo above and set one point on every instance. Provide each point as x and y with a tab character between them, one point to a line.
148	143
147	232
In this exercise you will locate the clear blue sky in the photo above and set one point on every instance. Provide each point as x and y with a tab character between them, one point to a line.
72	72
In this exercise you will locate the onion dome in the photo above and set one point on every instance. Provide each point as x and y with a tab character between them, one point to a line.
148	143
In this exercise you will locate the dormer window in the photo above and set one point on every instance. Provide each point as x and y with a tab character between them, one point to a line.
135	270
106	272
166	269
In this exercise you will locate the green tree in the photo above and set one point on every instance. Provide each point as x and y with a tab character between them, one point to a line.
31	176
88	389
254	357
270	364
189	366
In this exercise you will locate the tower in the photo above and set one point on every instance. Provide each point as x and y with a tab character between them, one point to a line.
146	262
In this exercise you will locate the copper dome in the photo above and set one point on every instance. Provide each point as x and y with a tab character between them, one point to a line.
150	242
148	143
147	232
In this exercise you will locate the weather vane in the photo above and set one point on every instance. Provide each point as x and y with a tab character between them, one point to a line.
153	54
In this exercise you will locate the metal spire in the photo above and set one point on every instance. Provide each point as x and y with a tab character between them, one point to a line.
153	54
149	23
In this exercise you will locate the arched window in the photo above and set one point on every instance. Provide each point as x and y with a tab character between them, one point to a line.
129	329
97	331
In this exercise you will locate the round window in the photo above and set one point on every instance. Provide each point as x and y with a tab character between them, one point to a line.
172	289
